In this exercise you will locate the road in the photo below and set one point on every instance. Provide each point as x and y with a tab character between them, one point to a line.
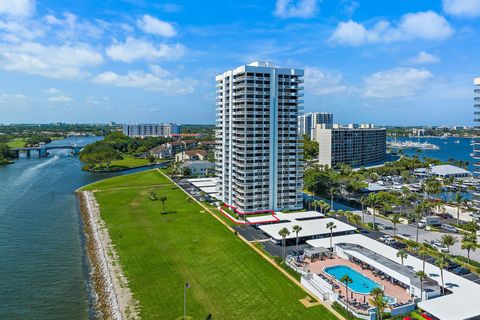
409	231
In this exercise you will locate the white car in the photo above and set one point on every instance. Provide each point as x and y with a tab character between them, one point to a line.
440	247
386	239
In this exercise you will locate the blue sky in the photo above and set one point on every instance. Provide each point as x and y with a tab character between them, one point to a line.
385	62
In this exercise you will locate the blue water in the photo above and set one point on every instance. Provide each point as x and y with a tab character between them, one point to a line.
448	149
360	283
43	269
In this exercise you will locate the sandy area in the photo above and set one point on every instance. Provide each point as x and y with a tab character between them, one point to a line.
114	299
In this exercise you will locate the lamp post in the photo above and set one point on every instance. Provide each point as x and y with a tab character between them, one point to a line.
187	285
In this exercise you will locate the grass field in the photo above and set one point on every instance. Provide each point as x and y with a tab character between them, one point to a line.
130	162
160	252
16	143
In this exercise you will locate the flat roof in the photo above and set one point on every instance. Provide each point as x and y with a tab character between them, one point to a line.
288	216
443	169
309	228
461	304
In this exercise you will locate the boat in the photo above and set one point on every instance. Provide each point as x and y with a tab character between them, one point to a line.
412	145
456	141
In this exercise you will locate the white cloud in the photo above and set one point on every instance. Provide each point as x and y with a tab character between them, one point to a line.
52	91
426	25
17	7
397	82
134	49
60	99
6	98
149	24
296	8
16	31
424	57
70	27
322	83
155	80
462	8
53	61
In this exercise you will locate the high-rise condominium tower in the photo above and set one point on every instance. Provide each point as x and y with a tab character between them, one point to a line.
258	156
308	121
476	144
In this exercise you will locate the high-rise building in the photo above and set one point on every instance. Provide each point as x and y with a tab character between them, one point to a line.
308	121
355	145
150	130
476	140
258	155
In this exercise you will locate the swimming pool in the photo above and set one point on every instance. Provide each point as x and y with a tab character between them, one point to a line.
360	283
390	299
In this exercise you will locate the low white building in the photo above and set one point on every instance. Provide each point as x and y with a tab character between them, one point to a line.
444	171
199	168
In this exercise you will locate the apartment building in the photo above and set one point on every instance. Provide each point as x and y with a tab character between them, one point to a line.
476	140
258	155
355	145
308	121
150	130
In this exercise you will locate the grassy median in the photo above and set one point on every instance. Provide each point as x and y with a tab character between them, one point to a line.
161	250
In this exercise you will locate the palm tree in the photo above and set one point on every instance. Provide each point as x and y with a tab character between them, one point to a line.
448	240
363	202
421	275
356	219
459	200
332	191
330	226
395	219
283	233
442	264
402	255
424	254
378	301
469	245
347	281
375	203
163	199
296	228
418	214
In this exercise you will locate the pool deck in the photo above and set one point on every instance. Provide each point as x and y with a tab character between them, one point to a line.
390	289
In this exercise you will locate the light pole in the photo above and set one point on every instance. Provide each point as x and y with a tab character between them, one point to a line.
187	285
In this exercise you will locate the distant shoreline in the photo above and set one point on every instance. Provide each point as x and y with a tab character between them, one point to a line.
113	297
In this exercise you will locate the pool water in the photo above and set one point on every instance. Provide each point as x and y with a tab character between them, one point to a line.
390	299
360	283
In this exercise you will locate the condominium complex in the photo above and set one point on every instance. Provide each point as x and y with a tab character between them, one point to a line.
355	145
476	144
150	130
308	122
258	155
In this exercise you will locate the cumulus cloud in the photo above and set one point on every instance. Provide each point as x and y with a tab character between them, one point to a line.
424	57
53	61
322	83
426	25
396	83
462	8
296	8
157	79
152	25
71	27
52	91
7	98
60	99
17	7
134	49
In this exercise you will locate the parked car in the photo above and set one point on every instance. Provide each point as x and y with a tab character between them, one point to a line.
452	265
449	228
386	238
398	245
461	271
440	247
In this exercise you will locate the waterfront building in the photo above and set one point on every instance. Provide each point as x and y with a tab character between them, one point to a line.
199	168
443	171
150	130
354	145
476	139
258	155
308	121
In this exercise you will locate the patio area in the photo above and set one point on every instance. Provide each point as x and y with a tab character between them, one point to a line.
390	289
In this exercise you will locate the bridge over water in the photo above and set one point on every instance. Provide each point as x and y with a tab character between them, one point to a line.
43	149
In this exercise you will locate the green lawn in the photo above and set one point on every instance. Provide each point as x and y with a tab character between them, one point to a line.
159	252
16	143
129	162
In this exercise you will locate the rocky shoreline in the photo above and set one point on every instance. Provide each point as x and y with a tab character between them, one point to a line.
113	297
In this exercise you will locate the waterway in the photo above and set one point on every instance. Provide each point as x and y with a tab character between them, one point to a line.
449	148
43	268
